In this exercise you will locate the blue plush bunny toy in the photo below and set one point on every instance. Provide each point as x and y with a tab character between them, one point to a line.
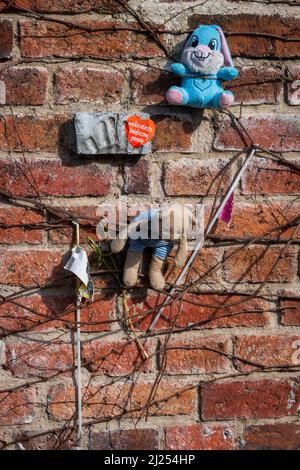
205	62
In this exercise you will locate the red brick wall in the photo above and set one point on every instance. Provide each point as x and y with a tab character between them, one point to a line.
51	69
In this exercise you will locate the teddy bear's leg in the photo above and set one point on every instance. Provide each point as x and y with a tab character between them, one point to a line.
156	277
177	95
131	268
225	99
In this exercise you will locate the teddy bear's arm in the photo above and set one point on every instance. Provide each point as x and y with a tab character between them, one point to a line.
179	69
227	73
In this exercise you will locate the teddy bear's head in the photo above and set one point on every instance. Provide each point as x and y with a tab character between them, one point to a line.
206	50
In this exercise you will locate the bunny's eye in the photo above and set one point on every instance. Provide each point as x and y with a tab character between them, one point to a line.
194	41
213	44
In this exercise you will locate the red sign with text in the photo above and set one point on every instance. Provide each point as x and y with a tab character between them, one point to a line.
139	131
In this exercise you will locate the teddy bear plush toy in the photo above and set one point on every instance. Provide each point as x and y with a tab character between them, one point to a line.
205	62
159	229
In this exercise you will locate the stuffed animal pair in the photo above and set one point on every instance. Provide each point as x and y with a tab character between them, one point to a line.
205	62
158	229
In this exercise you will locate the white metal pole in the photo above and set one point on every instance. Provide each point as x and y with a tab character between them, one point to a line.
78	378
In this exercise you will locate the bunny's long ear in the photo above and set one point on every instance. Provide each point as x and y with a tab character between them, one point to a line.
225	49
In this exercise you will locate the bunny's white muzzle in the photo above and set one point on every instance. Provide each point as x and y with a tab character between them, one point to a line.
202	59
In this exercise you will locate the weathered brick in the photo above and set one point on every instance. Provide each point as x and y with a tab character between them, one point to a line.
255	264
4	434
137	177
279	133
267	351
205	261
17	407
126	439
256	86
266	177
293	88
189	177
30	268
254	219
2	92
16	215
88	85
149	86
270	1
290	312
38	359
15	316
191	356
6	38
46	312
203	311
279	436
65	235
97	315
103	401
53	178
199	437
175	133
268	29
31	133
172	134
69	6
172	399
2	352
101	40
175	1
115	358
25	85
270	398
